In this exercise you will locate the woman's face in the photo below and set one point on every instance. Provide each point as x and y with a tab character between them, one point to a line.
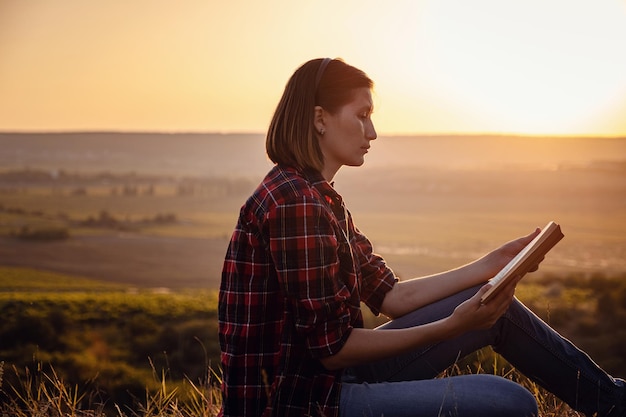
347	133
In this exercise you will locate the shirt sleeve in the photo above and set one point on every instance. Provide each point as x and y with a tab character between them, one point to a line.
304	249
377	278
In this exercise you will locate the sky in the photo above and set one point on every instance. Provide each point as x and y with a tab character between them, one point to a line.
539	67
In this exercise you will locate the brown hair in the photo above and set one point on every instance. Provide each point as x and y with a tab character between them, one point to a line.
291	137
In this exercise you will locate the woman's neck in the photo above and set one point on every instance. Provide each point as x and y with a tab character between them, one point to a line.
329	173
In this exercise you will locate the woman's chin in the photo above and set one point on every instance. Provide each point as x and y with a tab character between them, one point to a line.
356	162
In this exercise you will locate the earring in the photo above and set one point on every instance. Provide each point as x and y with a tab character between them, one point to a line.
322	131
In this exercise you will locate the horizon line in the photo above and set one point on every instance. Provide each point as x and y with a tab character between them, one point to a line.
233	132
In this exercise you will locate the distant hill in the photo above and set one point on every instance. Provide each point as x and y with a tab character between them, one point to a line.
185	154
213	154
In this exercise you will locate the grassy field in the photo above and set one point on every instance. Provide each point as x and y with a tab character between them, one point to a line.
108	339
95	348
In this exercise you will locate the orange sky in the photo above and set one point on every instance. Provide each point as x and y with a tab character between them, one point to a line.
440	66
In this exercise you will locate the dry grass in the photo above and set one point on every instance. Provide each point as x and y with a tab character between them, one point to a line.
548	404
45	394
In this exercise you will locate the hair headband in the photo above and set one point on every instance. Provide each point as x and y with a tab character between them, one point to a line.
320	71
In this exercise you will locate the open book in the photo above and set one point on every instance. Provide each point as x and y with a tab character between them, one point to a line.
526	259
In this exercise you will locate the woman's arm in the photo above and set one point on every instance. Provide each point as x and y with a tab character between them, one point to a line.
410	295
366	345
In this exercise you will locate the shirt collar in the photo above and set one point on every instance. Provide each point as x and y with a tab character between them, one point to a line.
317	180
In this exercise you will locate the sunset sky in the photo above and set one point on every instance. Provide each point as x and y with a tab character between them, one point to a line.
440	66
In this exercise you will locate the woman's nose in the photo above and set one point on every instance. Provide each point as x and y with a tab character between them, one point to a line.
371	132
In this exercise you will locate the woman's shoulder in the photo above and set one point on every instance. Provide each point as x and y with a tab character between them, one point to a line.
284	184
281	186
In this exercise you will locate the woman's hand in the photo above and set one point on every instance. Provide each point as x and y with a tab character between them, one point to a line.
497	259
473	315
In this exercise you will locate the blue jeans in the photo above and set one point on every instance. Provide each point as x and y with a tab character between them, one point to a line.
404	385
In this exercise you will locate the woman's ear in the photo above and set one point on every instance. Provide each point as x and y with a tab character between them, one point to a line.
318	120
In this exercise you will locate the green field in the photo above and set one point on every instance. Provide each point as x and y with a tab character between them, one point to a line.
105	337
116	342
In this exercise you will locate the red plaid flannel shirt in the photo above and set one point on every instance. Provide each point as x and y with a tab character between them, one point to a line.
295	273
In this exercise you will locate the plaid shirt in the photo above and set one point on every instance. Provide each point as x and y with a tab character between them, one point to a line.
295	273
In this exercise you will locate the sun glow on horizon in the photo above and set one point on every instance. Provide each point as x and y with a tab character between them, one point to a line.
532	67
552	78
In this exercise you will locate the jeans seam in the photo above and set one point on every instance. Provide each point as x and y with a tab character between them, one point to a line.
556	354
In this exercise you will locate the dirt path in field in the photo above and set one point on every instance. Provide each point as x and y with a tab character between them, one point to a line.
144	261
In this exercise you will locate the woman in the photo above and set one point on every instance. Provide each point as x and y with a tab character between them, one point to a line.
297	270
